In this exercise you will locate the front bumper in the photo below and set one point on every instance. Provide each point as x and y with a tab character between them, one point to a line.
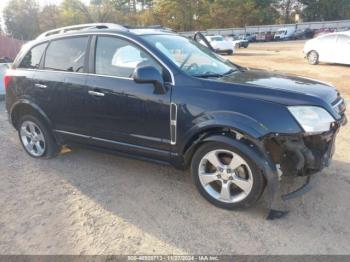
303	155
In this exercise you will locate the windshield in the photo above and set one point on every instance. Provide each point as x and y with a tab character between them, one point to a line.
190	56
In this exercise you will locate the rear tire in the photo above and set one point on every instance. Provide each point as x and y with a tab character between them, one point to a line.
313	58
230	52
223	182
36	139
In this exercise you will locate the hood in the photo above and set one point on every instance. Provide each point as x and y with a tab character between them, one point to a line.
283	87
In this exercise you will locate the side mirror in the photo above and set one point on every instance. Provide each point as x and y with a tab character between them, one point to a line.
149	74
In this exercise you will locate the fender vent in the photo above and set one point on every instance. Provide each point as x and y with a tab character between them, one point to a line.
173	123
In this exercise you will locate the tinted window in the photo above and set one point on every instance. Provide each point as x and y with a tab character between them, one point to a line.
66	54
33	57
117	57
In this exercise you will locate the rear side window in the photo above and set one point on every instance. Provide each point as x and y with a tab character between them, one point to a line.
33	57
66	54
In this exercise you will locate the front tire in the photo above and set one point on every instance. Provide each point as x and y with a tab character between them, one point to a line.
226	177
313	58
36	139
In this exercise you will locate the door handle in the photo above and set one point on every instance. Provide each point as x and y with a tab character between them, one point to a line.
95	93
41	86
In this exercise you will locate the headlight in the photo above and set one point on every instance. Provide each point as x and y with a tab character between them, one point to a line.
313	119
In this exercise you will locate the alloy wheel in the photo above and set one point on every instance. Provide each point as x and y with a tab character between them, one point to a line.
313	58
32	138
225	176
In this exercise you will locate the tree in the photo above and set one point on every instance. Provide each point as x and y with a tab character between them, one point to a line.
74	12
50	18
286	8
21	19
239	13
319	10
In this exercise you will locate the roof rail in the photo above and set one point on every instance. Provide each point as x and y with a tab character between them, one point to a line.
67	29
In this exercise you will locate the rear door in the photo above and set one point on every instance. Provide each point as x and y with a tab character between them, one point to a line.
26	81
63	78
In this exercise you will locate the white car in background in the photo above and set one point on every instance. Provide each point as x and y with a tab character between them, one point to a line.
329	48
3	68
220	44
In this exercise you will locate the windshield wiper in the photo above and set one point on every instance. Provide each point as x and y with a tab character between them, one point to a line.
206	75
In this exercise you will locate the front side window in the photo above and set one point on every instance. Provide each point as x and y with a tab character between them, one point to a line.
66	54
33	57
118	57
191	57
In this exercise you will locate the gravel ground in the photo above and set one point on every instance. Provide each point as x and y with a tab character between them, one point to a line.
85	202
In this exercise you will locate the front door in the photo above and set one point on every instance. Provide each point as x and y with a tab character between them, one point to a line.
328	45
123	113
342	54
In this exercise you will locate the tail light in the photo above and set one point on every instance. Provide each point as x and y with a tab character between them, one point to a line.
7	80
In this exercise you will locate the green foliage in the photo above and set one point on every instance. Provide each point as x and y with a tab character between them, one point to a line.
21	18
319	10
25	20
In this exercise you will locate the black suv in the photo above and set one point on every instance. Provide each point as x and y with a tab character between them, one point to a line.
153	94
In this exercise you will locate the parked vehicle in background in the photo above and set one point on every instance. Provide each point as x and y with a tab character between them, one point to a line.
248	36
261	37
343	29
324	31
329	48
304	34
286	33
238	43
5	59
3	68
220	44
269	36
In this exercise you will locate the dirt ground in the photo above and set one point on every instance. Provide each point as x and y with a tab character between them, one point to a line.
85	202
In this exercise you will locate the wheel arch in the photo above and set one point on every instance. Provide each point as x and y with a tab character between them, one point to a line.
207	133
25	106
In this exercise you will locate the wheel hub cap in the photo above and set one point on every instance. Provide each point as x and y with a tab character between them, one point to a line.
225	176
32	138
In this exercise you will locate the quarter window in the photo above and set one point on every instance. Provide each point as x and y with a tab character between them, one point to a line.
67	54
33	57
118	57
